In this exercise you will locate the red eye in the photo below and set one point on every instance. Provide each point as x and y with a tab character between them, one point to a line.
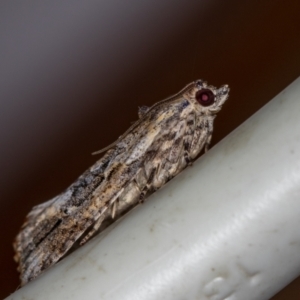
205	97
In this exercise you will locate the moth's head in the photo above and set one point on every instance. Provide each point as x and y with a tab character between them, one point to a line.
209	97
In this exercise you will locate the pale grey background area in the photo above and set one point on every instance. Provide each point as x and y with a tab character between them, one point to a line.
73	73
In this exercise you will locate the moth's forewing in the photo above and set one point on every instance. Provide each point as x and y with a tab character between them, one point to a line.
166	138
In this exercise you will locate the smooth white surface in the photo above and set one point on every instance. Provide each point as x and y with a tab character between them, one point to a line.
227	228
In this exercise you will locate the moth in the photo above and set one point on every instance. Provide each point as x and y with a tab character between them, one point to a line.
166	138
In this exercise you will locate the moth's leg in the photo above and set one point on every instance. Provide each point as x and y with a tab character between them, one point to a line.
187	158
128	199
136	188
143	194
200	138
148	185
114	209
140	179
96	226
209	126
207	142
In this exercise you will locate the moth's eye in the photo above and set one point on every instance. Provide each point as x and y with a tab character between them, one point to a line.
205	97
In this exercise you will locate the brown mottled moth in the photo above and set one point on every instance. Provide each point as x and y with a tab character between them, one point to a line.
167	137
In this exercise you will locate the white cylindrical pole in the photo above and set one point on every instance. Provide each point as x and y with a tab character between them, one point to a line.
225	228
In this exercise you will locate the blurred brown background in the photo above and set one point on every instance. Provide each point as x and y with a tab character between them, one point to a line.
72	74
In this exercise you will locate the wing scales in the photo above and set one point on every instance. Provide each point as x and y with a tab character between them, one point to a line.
166	138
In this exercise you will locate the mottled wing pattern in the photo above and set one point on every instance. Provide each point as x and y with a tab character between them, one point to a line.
165	140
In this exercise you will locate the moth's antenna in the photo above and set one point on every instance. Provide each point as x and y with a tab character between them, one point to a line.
106	148
134	125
